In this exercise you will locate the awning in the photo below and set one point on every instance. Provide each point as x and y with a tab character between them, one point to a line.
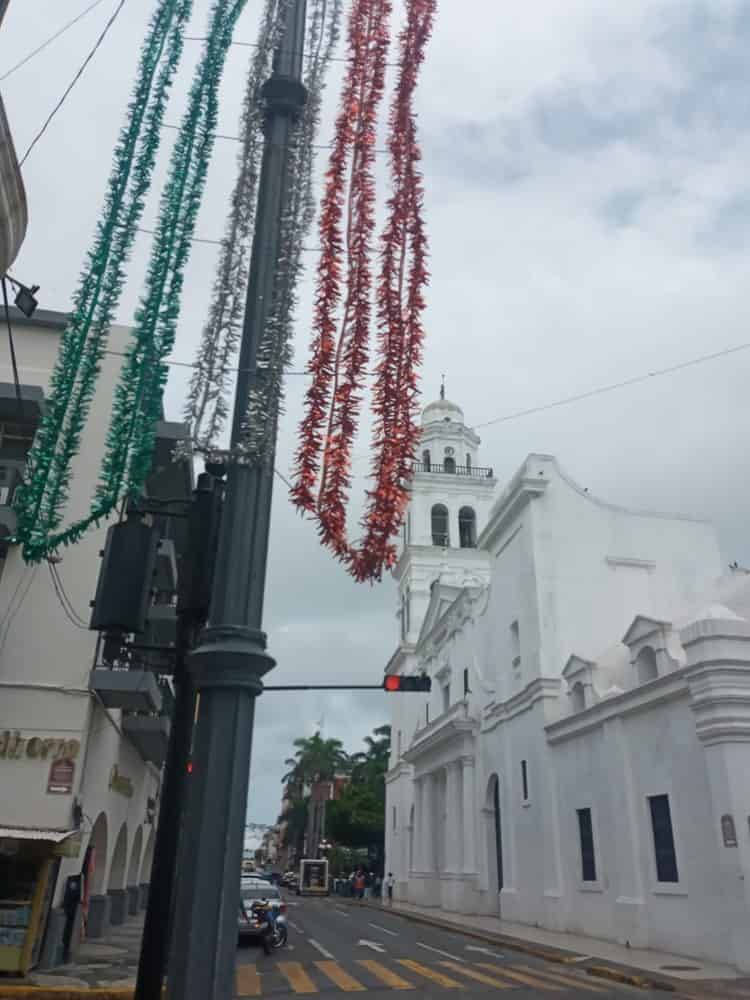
34	833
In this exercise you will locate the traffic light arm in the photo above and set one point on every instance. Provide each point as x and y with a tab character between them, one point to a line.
393	682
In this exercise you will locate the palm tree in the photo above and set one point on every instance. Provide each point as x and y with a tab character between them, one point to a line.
316	759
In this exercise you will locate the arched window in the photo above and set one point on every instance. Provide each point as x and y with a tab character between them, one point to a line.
440	526
578	697
426	459
645	665
450	464
467	528
468	462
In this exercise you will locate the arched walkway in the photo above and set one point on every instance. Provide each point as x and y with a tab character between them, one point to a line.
116	885
98	843
95	901
148	859
133	870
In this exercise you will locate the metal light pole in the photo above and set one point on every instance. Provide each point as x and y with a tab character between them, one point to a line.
231	658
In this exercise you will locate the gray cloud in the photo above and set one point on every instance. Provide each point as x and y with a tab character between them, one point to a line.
586	175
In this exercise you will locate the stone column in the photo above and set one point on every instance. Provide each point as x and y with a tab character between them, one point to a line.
427	826
417	861
718	654
453	811
469	812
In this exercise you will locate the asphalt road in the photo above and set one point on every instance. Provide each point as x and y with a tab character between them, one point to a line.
337	946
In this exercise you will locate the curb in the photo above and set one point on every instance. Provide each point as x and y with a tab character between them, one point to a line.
629	979
66	992
558	956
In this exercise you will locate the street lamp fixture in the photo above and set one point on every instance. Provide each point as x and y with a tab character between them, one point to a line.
25	299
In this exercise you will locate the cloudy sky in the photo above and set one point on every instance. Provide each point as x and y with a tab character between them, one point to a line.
588	206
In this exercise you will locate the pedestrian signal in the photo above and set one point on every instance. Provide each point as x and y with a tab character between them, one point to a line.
418	682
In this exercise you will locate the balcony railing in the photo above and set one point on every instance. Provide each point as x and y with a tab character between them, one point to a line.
475	471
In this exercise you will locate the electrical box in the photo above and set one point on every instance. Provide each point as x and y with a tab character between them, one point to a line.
123	593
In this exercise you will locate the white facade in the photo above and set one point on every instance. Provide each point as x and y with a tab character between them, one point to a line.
45	666
587	661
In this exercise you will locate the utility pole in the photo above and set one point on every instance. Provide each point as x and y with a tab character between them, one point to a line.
228	665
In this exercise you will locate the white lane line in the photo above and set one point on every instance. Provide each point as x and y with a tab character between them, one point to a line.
437	951
321	949
341	913
383	929
294	926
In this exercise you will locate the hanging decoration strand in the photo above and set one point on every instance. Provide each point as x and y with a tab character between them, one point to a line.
340	353
274	351
101	280
207	406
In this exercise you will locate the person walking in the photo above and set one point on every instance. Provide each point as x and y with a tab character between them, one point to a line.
389	884
359	885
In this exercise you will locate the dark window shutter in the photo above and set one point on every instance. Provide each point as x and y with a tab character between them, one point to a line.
661	822
588	859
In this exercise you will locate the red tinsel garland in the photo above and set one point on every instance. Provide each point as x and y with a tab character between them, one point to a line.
338	364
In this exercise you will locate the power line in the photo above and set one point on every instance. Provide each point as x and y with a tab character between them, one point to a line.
657	373
74	81
238	138
69	613
50	40
218	243
254	45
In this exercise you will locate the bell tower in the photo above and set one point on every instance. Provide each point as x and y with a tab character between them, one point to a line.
450	503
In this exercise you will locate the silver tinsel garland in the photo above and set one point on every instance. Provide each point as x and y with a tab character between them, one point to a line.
207	407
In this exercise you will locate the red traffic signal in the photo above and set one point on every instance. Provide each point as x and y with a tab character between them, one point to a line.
418	682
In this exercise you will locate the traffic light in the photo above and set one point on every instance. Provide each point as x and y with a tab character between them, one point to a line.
418	682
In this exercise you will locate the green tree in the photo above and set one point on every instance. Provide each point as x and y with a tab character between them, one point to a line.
316	759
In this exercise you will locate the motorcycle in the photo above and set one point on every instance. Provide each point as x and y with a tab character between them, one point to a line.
270	923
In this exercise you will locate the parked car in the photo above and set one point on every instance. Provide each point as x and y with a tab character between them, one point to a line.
251	891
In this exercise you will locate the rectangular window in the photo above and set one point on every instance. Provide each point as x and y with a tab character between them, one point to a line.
466	681
398	743
661	822
446	697
524	781
588	859
427	714
394	817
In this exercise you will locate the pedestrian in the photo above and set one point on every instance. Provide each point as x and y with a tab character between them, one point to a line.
378	889
359	885
368	884
389	884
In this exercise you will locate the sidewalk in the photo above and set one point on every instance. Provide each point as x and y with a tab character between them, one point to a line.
108	966
640	967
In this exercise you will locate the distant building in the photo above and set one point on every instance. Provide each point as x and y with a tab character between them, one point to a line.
581	762
13	209
82	743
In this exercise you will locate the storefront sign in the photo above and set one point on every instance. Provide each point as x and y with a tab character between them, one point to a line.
13	746
60	781
728	831
119	783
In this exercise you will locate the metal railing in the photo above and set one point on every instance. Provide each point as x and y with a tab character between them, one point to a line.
475	471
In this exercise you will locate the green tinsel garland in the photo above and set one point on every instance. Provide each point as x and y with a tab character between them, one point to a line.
138	395
40	501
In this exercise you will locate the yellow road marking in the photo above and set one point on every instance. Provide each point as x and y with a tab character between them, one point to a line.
428	973
248	981
342	979
479	977
569	980
385	976
519	976
297	978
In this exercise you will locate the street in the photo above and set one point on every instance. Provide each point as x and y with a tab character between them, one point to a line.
340	946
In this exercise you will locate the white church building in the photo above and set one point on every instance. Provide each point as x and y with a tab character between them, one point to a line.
582	763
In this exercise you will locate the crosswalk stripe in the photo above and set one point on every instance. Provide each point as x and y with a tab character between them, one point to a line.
433	974
581	984
247	981
341	978
479	977
385	976
297	978
519	976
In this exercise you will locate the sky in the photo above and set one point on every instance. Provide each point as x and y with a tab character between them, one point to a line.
588	210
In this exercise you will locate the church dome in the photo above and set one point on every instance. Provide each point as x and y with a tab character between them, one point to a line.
442	409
